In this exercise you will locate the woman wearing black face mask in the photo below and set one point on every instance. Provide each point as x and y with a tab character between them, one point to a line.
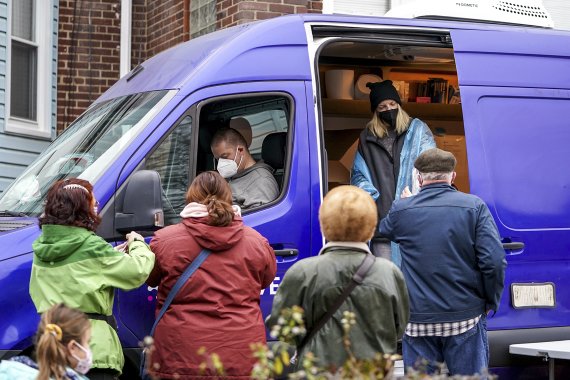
384	163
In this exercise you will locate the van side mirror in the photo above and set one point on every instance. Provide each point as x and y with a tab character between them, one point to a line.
141	208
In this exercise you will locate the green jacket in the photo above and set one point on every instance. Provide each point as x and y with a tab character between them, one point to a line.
75	266
380	303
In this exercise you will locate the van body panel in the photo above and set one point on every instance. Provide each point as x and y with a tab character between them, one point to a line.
18	326
516	116
253	52
18	240
287	224
316	191
517	164
512	59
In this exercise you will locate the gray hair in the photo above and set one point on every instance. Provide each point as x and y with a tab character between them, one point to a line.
436	176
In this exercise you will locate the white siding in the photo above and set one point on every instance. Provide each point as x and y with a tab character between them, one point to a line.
17	152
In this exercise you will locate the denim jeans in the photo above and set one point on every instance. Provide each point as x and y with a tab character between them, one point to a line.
464	354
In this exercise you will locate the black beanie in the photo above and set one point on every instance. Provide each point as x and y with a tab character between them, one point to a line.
381	91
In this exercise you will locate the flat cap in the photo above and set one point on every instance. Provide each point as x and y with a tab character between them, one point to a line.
435	161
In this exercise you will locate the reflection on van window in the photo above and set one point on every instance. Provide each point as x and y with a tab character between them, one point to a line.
85	149
171	159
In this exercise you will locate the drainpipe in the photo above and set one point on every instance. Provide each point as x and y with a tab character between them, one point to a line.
126	21
186	21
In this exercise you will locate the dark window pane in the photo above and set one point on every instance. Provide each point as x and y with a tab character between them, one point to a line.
23	19
23	82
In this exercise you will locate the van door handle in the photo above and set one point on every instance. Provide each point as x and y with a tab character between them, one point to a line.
286	252
513	246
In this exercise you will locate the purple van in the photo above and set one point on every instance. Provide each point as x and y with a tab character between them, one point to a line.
497	96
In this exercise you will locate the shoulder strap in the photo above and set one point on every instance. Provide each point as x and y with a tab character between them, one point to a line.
357	279
181	281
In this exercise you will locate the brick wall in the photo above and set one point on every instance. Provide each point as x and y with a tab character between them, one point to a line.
88	54
165	25
234	12
89	39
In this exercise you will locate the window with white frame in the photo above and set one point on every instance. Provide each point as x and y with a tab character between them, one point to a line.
28	100
202	17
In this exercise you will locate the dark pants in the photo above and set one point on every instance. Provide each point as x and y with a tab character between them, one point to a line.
381	249
102	374
464	354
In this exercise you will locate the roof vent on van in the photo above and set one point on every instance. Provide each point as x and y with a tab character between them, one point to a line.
518	12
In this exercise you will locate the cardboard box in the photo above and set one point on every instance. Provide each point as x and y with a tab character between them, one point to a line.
456	145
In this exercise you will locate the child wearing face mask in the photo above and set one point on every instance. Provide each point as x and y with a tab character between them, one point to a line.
384	162
62	349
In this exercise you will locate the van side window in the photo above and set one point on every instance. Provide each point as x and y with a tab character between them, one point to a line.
264	123
171	159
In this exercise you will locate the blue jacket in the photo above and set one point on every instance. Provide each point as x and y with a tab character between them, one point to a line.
452	257
24	368
417	139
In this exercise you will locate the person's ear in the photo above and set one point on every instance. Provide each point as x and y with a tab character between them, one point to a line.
420	179
453	175
71	347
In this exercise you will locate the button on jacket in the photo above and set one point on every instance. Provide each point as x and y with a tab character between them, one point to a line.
452	257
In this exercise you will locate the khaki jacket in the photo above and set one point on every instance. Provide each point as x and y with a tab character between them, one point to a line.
380	304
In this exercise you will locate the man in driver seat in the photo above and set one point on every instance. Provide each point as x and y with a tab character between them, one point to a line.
252	182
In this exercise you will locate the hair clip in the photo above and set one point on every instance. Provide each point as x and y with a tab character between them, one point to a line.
75	186
54	330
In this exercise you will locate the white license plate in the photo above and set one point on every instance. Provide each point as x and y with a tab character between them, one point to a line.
533	295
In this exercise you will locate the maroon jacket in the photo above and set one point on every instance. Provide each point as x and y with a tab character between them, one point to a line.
218	308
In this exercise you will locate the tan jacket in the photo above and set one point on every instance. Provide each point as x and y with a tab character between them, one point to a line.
380	303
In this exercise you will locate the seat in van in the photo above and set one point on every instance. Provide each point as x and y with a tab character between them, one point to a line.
273	153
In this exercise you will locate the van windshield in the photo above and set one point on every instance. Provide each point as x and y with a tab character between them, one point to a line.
84	150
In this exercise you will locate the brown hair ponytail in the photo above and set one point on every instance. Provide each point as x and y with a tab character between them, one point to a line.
221	213
58	326
211	189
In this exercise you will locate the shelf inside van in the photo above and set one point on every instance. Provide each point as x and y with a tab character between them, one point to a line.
361	108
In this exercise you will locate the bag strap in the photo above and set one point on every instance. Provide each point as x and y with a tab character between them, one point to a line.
357	279
181	281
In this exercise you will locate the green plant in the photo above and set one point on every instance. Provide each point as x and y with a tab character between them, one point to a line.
211	361
290	327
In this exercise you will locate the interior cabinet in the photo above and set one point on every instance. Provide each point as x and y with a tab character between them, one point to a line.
423	111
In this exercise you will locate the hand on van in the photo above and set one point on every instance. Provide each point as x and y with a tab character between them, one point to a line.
406	193
132	236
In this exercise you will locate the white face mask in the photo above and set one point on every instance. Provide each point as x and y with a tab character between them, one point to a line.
228	168
83	365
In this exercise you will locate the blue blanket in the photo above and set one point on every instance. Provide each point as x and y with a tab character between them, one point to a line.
418	139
